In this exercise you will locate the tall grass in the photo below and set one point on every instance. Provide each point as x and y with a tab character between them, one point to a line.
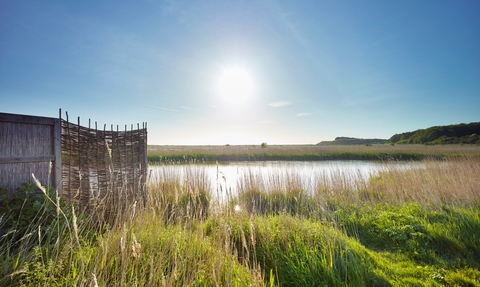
185	154
452	182
314	149
400	227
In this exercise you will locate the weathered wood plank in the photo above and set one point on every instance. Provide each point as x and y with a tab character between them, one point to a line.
17	159
15	118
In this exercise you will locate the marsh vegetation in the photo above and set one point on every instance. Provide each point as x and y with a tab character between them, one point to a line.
400	227
208	153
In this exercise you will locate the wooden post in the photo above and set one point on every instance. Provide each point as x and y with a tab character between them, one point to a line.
57	152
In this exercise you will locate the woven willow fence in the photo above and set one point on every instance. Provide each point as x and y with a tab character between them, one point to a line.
103	170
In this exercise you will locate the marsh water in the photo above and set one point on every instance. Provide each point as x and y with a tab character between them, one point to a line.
230	177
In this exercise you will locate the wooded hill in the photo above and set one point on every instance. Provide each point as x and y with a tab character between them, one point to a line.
452	134
352	141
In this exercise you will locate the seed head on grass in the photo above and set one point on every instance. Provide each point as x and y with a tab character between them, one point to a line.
136	248
94	280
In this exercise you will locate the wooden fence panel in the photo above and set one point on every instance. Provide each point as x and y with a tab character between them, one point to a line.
93	169
103	169
29	144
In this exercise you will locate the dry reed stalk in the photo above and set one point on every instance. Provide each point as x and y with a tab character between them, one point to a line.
180	194
433	183
453	181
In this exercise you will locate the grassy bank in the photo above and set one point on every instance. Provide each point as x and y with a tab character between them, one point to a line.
173	154
399	228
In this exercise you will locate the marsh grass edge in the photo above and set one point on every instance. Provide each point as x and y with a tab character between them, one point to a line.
227	153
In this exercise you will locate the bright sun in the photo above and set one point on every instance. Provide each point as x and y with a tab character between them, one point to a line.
235	86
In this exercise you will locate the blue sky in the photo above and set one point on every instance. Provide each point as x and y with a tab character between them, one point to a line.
298	72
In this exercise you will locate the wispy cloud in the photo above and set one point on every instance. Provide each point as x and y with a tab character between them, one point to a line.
303	114
165	109
188	108
280	104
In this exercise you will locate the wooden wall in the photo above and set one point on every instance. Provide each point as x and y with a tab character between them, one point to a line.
29	145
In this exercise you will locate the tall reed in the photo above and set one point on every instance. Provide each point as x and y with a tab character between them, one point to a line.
400	227
437	183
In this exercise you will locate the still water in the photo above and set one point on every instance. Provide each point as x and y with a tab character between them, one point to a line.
229	177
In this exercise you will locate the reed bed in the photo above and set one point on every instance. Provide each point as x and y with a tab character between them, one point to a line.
400	227
313	149
432	184
187	154
448	182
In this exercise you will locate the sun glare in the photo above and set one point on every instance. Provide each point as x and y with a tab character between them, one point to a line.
235	86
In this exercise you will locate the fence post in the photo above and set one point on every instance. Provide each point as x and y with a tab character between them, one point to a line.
57	152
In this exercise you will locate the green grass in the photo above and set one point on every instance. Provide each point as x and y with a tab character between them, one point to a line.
383	246
287	157
401	228
189	154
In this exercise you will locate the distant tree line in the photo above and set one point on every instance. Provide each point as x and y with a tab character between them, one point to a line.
352	141
452	134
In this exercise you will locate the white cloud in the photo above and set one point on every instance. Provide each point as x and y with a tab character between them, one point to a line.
303	114
280	104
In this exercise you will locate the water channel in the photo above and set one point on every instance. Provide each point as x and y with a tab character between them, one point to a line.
228	177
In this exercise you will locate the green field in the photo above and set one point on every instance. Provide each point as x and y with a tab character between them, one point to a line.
399	228
174	154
